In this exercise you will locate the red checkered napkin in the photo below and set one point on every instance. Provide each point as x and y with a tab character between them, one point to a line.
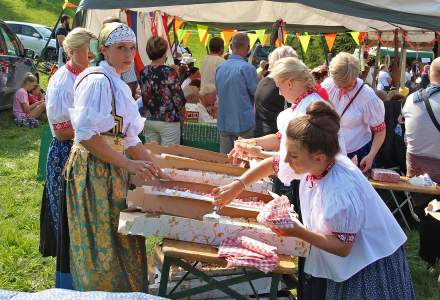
246	252
277	213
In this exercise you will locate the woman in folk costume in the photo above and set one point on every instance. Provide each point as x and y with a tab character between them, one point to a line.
106	123
362	112
297	85
59	99
356	244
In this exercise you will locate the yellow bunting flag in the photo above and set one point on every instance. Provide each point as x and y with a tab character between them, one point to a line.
285	38
185	37
252	39
208	37
355	36
203	31
260	34
68	5
330	39
180	34
304	40
227	35
178	23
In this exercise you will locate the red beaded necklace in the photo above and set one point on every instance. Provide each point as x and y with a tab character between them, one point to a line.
300	98
311	179
72	69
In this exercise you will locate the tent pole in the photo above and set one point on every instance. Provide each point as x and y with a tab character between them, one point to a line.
321	38
176	40
48	40
377	62
396	73
402	64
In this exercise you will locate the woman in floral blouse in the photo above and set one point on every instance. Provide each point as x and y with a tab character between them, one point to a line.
162	96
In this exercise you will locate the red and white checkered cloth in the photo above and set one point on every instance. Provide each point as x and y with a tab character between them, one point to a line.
278	213
244	251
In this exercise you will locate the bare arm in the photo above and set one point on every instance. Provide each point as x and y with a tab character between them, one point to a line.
225	194
367	161
329	243
60	39
64	134
98	147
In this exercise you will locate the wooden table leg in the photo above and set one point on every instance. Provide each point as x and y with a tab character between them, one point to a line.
164	276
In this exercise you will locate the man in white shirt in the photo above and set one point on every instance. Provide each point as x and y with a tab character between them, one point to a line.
422	136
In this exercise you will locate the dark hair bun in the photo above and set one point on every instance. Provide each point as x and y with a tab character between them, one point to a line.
322	115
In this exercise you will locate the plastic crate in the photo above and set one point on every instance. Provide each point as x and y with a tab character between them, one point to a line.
201	135
45	139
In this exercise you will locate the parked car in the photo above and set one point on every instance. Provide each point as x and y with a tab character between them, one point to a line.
35	37
15	62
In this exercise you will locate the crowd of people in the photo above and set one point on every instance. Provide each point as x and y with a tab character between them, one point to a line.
319	132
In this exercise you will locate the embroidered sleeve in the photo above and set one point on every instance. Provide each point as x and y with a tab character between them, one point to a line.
344	237
276	164
279	135
379	128
61	126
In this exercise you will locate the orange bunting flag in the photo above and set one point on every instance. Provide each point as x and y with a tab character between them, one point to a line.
227	35
355	36
68	5
203	32
178	22
185	37
304	40
265	39
330	39
252	39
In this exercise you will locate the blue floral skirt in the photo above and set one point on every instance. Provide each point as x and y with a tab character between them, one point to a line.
388	278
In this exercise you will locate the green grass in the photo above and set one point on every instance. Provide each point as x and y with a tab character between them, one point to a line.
44	12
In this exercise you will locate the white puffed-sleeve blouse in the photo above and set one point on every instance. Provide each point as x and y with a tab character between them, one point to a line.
284	171
343	203
59	98
365	115
92	110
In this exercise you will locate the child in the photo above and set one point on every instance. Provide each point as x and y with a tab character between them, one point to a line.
26	114
35	95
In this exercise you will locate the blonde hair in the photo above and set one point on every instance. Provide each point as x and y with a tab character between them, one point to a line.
281	52
291	68
344	68
77	38
29	78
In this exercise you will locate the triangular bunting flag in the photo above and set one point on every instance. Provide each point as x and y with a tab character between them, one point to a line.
304	40
208	37
285	37
355	36
68	5
227	35
265	39
185	37
330	39
252	39
178	22
180	34
202	30
205	38
260	34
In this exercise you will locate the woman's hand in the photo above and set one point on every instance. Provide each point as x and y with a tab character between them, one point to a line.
223	195
366	163
245	148
146	170
295	231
